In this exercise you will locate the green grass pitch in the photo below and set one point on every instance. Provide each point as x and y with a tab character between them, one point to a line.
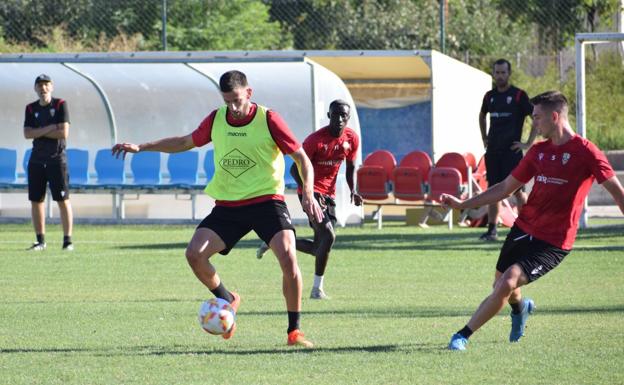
122	309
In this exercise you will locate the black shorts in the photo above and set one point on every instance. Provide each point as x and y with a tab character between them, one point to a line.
233	223
329	208
534	256
54	173
500	164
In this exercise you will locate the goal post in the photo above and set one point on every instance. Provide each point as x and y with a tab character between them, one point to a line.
580	40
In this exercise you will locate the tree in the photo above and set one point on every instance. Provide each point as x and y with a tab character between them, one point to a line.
223	25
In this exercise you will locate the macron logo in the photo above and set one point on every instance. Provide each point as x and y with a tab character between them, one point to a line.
537	270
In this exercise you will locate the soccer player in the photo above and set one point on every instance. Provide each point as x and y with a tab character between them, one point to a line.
327	148
508	107
564	167
46	122
248	189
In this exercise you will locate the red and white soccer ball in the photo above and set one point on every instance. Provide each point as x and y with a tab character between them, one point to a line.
216	316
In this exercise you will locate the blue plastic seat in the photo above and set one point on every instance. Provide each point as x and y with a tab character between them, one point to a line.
8	166
25	161
145	168
78	167
183	168
289	181
110	170
209	165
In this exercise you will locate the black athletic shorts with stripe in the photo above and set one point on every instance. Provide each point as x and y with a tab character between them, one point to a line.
328	204
232	223
535	257
42	173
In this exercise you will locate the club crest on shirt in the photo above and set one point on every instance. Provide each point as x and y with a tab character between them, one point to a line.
346	146
540	156
52	111
36	115
565	158
509	99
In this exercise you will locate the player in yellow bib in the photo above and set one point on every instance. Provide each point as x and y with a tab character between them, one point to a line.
248	188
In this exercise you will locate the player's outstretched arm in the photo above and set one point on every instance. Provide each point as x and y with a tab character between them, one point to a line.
494	194
308	203
613	186
169	145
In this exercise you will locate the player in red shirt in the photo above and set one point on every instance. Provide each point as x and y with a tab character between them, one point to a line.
564	167
327	148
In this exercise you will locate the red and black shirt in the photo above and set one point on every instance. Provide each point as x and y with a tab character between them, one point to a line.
37	116
507	113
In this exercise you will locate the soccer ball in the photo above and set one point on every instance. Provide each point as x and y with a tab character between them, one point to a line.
216	316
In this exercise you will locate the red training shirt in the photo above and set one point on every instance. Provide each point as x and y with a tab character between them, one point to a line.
283	137
563	176
326	152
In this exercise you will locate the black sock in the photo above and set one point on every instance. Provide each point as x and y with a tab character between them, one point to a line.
516	308
66	240
492	228
221	292
293	320
40	238
465	332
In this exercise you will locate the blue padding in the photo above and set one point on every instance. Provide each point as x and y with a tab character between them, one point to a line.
398	130
289	181
183	167
78	166
209	165
25	161
145	168
8	165
110	170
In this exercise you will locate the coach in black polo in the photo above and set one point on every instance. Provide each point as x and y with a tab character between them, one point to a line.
47	124
508	107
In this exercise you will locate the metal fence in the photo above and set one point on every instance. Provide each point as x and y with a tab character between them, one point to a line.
533	32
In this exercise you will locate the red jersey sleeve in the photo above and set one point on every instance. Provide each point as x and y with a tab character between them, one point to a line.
203	134
526	169
281	134
599	165
309	146
355	144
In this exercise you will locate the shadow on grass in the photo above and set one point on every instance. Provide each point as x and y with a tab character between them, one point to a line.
180	350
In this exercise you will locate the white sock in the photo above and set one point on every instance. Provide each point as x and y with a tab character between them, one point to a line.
318	281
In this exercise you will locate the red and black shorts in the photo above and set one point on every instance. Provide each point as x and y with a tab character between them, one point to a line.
328	204
42	173
535	257
232	223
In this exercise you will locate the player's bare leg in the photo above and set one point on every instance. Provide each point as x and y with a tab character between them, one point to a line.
67	220
204	244
506	285
37	210
283	246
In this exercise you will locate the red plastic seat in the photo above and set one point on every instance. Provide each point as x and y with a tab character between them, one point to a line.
444	180
375	176
411	175
455	160
471	161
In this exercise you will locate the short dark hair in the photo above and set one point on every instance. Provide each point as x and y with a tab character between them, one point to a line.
501	62
231	80
339	102
551	100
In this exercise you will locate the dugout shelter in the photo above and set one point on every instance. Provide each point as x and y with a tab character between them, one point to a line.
405	100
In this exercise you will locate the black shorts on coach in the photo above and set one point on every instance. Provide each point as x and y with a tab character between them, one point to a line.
54	173
232	223
499	164
534	256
